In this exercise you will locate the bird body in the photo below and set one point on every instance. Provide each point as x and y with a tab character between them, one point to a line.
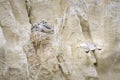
45	27
88	46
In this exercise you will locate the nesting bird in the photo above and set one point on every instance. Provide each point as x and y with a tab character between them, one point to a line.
39	33
35	28
42	27
89	47
45	27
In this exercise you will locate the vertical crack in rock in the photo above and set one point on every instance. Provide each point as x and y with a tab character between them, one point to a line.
64	20
63	67
85	26
28	8
86	30
3	62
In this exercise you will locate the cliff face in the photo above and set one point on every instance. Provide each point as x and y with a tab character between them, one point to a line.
64	56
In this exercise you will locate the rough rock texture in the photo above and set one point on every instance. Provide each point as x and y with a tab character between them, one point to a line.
62	57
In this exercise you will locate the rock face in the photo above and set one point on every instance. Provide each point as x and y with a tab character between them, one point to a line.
68	54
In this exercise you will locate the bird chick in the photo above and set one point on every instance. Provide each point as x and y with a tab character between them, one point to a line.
35	27
45	27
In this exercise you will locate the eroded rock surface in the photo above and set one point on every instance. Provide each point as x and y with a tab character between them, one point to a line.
61	57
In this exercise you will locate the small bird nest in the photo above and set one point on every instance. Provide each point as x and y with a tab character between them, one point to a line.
41	34
39	38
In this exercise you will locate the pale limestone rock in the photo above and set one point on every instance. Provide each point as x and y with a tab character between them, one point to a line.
16	30
75	22
3	67
2	39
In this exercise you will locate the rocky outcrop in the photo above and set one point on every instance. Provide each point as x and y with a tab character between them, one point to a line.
93	23
16	30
